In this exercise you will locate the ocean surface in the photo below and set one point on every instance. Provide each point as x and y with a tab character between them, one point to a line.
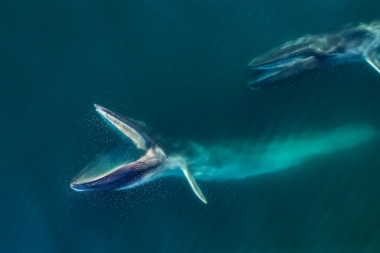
302	157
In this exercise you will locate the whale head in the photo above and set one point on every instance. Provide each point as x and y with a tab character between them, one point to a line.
152	165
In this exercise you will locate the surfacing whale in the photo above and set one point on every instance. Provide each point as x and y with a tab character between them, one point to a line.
153	164
353	43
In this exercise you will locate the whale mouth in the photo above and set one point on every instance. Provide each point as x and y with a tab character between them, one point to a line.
276	71
113	174
119	176
278	64
292	58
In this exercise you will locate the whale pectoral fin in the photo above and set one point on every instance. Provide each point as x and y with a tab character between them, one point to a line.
373	59
193	184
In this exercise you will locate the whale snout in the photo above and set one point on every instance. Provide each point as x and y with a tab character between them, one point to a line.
76	187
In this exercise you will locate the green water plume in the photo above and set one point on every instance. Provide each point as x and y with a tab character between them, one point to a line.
238	159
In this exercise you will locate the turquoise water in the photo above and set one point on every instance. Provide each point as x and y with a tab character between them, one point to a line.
295	167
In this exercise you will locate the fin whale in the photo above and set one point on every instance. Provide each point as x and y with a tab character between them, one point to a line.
353	43
152	165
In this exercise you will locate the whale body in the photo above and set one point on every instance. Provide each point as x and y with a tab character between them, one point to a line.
221	160
353	43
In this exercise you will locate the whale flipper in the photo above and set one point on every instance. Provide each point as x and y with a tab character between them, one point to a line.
190	178
373	59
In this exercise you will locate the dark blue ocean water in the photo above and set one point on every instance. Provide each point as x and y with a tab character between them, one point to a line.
181	67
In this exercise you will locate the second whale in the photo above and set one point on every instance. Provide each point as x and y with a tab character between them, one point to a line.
353	43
